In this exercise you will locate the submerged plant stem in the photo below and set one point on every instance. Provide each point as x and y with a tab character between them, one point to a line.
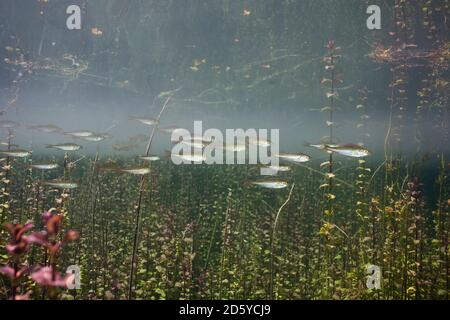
273	239
138	205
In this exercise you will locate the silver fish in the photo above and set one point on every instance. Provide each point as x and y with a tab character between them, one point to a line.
136	170
294	157
238	147
79	134
260	142
271	183
149	158
349	150
169	129
195	143
96	137
47	128
5	143
62	184
123	146
17	153
139	138
8	124
275	169
146	120
109	166
194	157
44	166
65	146
320	146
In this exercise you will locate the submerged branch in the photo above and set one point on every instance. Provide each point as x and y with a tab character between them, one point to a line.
273	238
139	202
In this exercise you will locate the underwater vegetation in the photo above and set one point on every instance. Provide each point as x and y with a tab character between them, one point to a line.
137	226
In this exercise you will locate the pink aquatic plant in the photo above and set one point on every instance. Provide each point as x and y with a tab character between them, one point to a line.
16	247
19	243
48	277
12	273
47	237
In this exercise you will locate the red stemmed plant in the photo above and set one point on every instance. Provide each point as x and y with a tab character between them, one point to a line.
16	247
49	239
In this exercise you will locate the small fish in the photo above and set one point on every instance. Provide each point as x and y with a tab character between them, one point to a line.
108	166
136	170
169	129
62	184
274	170
80	134
17	153
331	94
96	137
96	31
47	128
123	147
320	146
270	183
44	166
197	143
190	157
5	143
294	157
8	124
65	146
325	164
260	142
279	168
233	147
149	158
349	150
196	138
139	138
146	120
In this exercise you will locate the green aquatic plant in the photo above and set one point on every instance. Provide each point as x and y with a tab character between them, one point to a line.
6	176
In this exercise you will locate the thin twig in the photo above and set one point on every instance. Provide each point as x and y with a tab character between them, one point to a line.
138	205
273	239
